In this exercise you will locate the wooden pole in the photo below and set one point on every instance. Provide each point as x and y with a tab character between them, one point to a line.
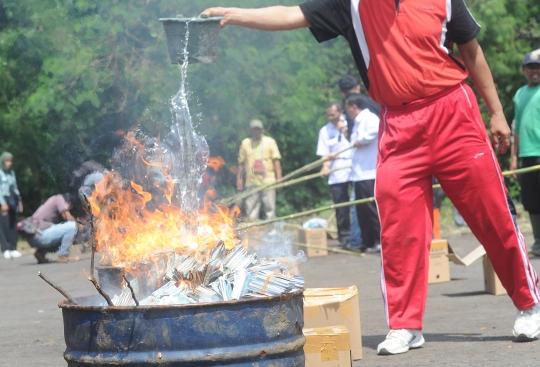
303	214
101	291
93	231
302	179
58	288
306	168
339	251
358	202
509	173
132	291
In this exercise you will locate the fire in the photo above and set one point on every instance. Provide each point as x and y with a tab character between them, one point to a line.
216	163
136	224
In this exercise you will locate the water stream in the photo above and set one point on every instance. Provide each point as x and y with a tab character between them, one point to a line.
190	151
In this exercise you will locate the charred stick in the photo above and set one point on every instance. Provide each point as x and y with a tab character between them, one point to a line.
132	291
101	291
92	229
58	288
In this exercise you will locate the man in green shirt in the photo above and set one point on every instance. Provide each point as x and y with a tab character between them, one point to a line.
527	140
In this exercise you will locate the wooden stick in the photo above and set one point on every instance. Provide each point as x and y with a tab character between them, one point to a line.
101	291
302	179
132	291
58	288
522	170
306	168
358	202
308	212
331	249
93	236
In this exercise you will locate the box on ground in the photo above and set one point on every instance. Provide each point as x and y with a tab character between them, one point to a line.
328	347
439	266
325	307
492	284
315	237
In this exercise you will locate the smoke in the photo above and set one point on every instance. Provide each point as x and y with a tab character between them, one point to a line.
275	242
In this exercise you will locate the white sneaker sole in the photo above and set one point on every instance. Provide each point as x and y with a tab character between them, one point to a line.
418	342
525	337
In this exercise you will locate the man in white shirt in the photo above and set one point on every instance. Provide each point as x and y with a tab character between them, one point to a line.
364	164
332	140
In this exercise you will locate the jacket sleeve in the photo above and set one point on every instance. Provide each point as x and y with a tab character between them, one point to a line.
369	129
3	186
15	186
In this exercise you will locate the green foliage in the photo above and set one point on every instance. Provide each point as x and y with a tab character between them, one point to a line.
72	72
510	29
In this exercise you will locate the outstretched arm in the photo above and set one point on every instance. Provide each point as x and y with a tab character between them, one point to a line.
475	62
274	18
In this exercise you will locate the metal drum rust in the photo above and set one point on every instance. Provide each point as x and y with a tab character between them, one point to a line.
265	332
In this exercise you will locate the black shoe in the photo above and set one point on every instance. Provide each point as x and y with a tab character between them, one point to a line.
344	242
40	256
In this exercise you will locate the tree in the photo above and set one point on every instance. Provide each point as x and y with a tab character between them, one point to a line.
73	72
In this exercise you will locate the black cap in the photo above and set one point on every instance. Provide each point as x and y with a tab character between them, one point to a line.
347	83
532	57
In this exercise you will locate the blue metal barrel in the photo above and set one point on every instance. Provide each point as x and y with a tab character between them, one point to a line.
264	332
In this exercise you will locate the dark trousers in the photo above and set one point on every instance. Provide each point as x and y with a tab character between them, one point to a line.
340	194
8	231
368	218
530	186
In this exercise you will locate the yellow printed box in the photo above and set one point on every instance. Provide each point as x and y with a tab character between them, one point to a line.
328	347
325	307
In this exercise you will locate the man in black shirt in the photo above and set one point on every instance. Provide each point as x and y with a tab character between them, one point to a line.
430	126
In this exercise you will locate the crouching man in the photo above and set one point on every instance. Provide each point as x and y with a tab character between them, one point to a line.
57	229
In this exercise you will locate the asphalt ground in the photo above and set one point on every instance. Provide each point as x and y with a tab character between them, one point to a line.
463	326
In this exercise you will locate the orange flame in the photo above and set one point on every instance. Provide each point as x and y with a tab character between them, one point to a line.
215	162
133	225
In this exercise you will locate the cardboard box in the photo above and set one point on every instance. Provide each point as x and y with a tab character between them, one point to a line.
439	269
439	266
328	347
316	237
467	260
492	282
325	307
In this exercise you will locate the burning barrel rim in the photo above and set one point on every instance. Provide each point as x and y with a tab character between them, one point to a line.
65	304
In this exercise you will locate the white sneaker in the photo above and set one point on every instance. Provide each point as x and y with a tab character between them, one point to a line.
527	325
400	341
374	250
15	253
7	254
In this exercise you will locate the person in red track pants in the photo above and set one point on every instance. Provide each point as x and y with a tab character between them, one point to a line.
430	126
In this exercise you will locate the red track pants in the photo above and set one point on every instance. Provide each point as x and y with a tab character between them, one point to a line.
442	136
